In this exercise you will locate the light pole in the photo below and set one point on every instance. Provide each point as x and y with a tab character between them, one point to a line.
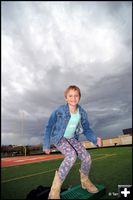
24	150
22	131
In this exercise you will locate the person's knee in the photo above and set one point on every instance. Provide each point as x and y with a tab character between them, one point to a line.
88	159
73	157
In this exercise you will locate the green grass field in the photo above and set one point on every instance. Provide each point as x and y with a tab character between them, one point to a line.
110	167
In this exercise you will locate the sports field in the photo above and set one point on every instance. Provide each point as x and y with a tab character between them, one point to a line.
110	167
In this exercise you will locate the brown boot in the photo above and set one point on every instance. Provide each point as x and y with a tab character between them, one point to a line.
87	184
55	188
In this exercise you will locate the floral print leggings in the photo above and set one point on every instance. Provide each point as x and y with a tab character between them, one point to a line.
71	149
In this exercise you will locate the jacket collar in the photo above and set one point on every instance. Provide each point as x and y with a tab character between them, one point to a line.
67	109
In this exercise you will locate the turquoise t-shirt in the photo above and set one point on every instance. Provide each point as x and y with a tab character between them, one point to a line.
72	124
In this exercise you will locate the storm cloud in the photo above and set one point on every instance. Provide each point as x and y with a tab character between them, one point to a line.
47	46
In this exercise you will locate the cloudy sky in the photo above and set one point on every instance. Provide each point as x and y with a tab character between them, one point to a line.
47	46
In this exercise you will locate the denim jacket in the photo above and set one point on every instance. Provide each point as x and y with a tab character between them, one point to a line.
57	124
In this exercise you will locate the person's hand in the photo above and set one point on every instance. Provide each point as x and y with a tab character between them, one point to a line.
47	151
99	142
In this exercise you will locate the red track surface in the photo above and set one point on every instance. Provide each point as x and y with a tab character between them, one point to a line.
20	160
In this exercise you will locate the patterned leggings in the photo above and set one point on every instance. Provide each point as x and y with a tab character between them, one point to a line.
71	148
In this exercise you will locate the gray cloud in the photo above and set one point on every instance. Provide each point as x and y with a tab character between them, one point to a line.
48	46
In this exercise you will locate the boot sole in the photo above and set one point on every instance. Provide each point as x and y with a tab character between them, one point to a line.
89	190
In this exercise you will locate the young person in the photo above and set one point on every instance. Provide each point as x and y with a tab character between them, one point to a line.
62	130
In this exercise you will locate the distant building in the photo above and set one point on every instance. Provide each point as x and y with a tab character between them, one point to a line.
123	139
127	131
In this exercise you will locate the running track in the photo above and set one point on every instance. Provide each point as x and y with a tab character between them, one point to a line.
21	160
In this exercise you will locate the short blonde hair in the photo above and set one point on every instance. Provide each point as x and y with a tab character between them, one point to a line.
72	87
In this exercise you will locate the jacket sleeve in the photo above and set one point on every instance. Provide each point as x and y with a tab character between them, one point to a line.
48	130
88	132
